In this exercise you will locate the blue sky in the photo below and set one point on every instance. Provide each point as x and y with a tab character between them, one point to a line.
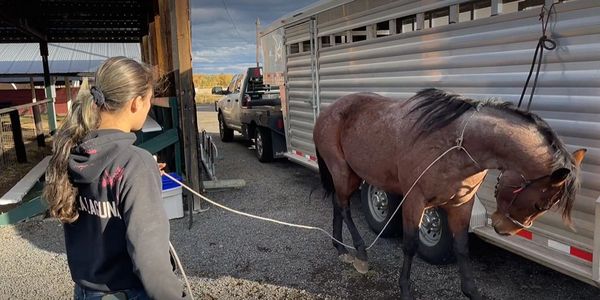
217	47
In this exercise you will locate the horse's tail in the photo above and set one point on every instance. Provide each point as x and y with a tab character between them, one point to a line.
326	178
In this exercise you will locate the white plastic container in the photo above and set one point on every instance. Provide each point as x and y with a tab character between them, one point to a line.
172	197
173	202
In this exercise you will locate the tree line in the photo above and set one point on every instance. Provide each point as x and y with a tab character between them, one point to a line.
211	80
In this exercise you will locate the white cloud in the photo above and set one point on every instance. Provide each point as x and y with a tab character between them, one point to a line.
217	46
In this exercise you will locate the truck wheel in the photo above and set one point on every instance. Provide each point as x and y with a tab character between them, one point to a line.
263	144
435	238
378	206
225	133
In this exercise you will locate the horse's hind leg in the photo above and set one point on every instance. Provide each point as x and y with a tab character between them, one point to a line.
337	233
346	182
458	222
361	262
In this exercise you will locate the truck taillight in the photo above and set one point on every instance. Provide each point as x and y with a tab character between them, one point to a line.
280	123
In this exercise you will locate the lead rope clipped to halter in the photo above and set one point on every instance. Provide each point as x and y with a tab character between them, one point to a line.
543	43
459	146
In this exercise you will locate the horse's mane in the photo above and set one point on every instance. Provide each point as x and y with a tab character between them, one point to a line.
438	109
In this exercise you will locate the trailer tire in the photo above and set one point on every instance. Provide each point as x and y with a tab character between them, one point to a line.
378	206
435	238
263	144
226	134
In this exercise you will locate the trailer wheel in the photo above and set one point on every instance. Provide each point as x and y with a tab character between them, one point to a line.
263	144
226	134
435	238
378	206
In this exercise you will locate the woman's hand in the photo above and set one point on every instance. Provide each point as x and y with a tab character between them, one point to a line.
161	167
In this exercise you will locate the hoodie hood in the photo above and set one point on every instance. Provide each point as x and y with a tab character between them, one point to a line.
97	150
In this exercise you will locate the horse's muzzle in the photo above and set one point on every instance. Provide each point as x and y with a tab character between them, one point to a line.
504	226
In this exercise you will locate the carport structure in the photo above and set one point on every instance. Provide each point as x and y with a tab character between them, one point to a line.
162	27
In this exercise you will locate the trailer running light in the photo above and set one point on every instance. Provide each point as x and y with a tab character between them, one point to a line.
558	246
305	156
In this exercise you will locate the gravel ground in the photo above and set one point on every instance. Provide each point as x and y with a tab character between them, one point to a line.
232	257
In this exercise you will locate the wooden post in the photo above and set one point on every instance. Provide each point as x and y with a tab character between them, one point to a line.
15	124
48	86
165	33
37	118
162	50
68	93
182	61
144	47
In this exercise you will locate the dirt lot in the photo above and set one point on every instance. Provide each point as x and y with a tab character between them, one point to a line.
230	257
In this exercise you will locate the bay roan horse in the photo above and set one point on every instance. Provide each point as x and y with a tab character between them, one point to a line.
390	143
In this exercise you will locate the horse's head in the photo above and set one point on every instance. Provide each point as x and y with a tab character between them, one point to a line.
521	200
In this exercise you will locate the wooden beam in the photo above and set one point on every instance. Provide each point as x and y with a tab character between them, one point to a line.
152	45
15	125
159	46
68	93
144	49
161	141
24	211
37	118
224	184
18	192
165	27
182	61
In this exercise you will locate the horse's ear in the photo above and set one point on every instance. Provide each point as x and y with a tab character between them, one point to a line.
578	156
559	176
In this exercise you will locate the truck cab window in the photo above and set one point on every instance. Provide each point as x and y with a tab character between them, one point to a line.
231	87
238	83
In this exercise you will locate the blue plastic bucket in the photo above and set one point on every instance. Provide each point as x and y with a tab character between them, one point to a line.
168	184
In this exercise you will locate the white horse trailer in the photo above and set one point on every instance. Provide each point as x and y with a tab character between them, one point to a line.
479	49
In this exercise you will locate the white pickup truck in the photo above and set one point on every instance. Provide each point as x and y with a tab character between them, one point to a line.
254	109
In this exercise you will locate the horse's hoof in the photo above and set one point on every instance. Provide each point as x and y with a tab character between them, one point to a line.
406	296
346	257
361	266
475	296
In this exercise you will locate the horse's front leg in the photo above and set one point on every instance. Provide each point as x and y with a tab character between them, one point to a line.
458	222
412	212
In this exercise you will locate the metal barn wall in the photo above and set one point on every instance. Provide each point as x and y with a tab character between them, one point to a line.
488	57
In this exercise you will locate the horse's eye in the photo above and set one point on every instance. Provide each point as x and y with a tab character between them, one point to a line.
538	207
544	190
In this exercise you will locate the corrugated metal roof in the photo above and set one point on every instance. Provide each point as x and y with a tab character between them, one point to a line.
18	60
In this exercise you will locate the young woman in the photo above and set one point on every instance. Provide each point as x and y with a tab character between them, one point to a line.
107	192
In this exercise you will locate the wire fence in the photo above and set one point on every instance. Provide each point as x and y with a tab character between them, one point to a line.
8	148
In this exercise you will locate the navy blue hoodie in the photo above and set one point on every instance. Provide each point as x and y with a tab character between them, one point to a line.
121	238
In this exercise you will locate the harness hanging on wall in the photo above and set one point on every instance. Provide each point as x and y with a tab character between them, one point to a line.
543	43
